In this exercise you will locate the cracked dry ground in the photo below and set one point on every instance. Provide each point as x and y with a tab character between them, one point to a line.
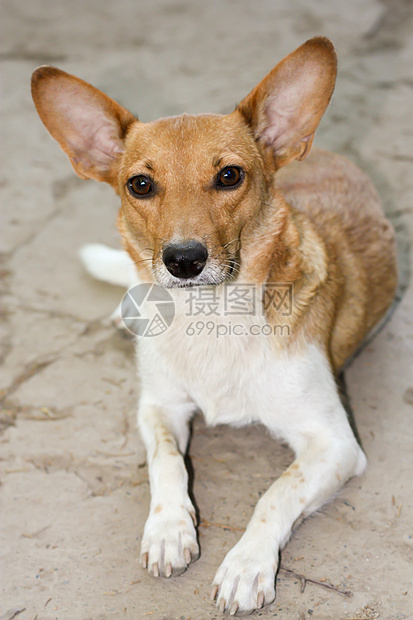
74	486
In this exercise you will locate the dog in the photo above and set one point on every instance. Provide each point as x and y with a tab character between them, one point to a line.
209	201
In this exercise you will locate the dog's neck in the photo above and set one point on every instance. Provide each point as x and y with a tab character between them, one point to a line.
281	245
269	243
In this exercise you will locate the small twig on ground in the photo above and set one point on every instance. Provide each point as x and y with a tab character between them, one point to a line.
126	428
43	529
12	613
225	527
116	454
304	580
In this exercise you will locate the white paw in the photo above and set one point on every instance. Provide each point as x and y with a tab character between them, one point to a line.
169	541
245	581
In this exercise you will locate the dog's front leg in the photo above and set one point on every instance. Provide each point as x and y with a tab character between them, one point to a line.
169	540
315	424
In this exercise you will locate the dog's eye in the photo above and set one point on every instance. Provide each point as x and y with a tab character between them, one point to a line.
230	177
141	186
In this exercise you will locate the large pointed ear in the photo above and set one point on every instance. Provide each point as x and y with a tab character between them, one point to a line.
89	126
284	110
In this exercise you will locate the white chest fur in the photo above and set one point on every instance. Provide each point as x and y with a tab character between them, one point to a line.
226	365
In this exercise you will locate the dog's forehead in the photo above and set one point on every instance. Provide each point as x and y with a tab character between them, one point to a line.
188	138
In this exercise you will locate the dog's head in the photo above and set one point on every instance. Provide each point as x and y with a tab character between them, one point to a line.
190	184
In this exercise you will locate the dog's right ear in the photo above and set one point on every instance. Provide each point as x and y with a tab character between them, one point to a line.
89	126
284	110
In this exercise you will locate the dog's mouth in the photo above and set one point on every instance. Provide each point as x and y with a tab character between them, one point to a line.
209	277
191	263
212	273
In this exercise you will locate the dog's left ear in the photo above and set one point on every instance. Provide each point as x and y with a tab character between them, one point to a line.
89	126
286	107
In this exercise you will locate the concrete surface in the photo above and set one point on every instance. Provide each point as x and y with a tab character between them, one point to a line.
74	489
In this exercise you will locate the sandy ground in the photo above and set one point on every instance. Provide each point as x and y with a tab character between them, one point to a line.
74	484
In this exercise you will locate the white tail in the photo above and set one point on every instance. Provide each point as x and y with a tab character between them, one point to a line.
109	265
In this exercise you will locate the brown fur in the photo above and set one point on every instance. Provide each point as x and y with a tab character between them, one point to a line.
316	224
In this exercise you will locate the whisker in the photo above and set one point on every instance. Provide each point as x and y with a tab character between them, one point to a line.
143	260
145	265
230	242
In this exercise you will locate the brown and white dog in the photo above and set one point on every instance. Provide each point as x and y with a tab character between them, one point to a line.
204	203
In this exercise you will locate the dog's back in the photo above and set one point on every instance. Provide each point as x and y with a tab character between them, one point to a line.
345	210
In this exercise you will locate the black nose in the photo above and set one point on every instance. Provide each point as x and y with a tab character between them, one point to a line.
185	260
